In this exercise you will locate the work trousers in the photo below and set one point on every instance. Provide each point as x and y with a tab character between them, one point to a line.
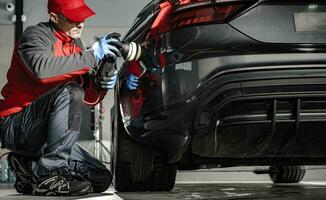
46	133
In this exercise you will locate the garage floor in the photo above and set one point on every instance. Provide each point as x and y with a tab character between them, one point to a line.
223	191
231	183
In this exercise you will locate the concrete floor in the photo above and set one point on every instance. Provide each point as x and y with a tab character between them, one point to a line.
229	183
225	191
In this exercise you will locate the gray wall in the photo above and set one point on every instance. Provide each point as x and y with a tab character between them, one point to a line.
109	13
6	15
7	39
6	48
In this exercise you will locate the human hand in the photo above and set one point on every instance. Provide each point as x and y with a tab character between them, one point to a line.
107	45
132	82
108	82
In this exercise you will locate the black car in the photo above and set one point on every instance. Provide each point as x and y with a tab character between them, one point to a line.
223	83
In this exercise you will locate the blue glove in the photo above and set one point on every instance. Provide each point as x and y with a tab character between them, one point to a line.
132	82
109	81
106	46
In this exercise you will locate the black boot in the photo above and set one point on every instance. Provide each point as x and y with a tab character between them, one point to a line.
19	166
61	184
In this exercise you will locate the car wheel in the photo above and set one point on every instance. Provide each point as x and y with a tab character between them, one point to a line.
137	167
287	174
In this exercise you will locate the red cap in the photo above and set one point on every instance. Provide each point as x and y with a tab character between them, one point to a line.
74	10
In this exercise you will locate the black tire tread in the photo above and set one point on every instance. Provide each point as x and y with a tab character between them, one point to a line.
287	174
139	167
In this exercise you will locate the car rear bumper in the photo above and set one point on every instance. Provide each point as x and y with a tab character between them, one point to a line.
167	129
268	112
236	89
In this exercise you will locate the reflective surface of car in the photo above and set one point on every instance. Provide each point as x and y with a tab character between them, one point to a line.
226	83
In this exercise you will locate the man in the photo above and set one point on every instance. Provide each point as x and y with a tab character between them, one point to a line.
48	82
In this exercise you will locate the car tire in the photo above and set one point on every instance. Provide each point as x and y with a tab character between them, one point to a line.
287	174
138	167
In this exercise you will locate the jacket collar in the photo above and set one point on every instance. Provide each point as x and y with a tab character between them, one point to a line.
60	34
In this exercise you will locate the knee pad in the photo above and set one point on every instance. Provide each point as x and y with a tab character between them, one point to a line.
76	95
76	92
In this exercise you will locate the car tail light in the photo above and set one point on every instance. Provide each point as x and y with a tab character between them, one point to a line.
203	15
191	12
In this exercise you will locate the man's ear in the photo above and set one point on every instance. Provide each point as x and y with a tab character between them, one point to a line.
54	17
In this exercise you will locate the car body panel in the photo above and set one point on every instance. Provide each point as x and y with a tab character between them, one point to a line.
232	89
291	23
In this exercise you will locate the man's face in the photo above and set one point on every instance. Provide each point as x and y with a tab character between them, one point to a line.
73	29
